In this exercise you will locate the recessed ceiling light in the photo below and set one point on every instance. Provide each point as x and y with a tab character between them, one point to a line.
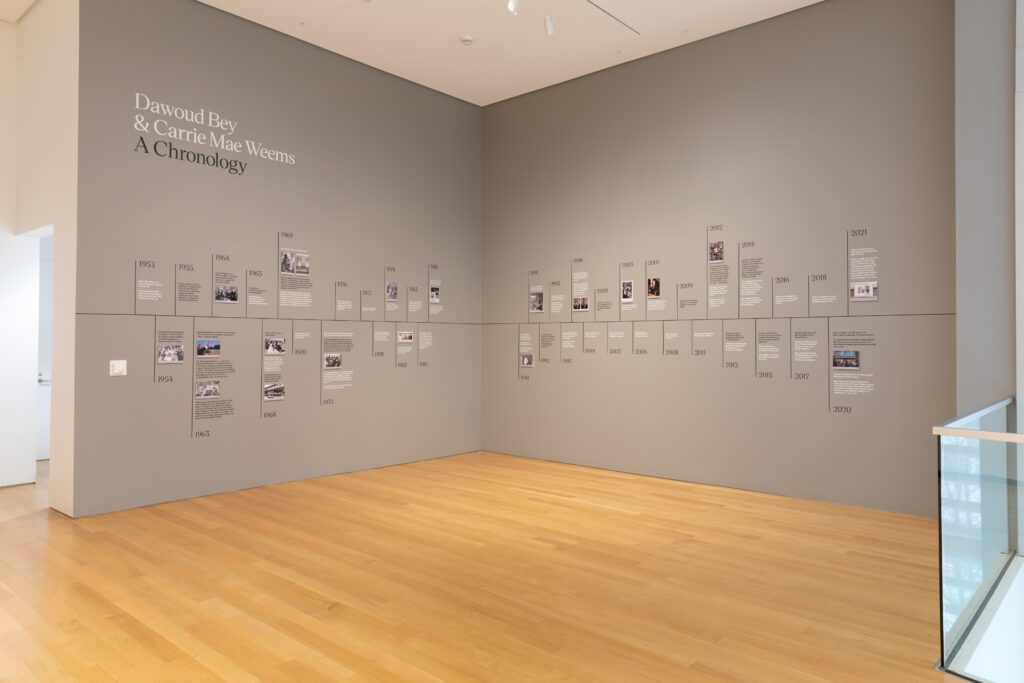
513	6
467	38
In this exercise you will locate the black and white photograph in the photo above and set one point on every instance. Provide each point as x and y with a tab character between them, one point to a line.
332	360
536	302
208	347
170	353
225	294
404	337
526	360
846	360
627	291
581	303
209	389
390	291
716	252
435	295
273	346
288	262
273	392
301	263
653	287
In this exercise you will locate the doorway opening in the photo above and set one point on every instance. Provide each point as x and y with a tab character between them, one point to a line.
45	372
28	286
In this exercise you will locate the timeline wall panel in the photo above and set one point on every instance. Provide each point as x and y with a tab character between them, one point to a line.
787	190
272	204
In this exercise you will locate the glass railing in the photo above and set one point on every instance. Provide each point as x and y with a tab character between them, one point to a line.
979	505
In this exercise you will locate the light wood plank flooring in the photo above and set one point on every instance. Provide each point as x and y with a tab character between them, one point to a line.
473	567
16	501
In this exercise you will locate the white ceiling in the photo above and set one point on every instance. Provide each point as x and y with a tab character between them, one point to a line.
419	40
11	10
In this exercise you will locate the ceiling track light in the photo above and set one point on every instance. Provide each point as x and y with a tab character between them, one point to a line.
513	6
549	25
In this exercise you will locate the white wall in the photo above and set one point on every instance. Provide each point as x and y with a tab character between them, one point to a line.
8	126
48	112
19	285
48	195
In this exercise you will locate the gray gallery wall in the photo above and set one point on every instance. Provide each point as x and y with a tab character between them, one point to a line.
985	355
817	147
789	137
386	175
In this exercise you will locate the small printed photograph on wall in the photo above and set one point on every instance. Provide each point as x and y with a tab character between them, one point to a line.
863	291
391	291
225	294
526	360
653	287
301	263
846	360
288	262
536	302
210	389
208	347
404	337
273	346
581	303
170	353
716	252
273	392
435	295
627	291
332	360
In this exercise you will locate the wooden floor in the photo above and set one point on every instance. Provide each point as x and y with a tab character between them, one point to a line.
474	567
16	501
